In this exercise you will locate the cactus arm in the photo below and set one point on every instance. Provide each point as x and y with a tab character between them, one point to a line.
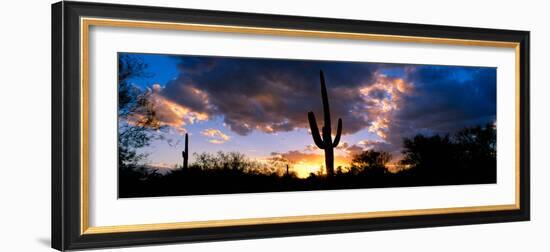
315	130
338	133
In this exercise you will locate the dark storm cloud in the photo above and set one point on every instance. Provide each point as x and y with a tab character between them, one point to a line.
269	95
391	100
445	99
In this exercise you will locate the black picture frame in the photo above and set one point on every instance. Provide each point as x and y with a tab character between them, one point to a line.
66	113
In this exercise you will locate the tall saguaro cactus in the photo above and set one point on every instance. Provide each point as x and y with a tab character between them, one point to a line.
325	142
185	153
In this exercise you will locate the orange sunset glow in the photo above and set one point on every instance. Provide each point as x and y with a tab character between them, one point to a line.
191	124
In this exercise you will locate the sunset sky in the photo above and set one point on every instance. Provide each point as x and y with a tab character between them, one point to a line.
259	106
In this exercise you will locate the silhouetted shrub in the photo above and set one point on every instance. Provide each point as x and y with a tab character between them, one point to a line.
467	157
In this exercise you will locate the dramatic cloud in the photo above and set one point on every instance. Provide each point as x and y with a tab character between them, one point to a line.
383	102
166	112
344	149
382	99
270	95
444	99
342	145
353	150
369	143
215	135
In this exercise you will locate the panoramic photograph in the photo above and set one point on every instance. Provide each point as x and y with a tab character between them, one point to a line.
195	125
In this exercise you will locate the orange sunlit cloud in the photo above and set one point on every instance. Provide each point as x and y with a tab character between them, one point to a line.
168	113
261	106
384	97
215	135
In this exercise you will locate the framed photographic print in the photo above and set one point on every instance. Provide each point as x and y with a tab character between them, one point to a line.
179	125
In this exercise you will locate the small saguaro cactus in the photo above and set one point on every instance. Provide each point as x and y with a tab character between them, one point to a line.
185	153
287	174
325	142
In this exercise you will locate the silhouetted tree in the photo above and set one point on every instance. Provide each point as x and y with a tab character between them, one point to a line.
136	113
430	156
477	143
130	138
371	162
230	161
466	157
469	155
477	151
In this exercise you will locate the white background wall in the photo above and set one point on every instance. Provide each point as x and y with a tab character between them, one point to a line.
25	125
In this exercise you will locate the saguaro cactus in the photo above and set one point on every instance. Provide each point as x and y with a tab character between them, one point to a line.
325	142
287	174
185	153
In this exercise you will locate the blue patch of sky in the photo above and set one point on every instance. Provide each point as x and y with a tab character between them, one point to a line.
160	69
164	68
